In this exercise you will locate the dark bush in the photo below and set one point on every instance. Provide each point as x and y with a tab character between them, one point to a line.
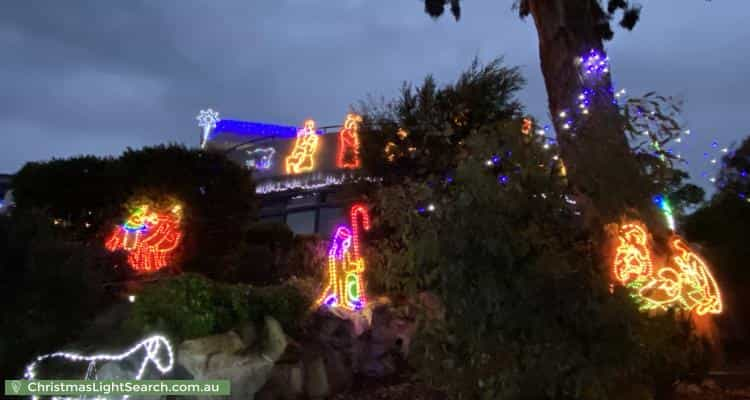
51	287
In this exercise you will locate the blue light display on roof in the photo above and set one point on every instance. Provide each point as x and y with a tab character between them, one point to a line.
256	129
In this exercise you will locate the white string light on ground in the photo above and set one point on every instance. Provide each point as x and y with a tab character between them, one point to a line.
151	346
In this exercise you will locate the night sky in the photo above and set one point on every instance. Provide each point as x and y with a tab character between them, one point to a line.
99	76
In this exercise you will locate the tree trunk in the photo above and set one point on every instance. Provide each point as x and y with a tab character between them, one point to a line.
600	164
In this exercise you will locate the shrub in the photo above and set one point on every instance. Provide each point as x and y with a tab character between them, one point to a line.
191	306
270	254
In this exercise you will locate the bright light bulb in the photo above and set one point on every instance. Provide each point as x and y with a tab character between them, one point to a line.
431	207
563	114
131	298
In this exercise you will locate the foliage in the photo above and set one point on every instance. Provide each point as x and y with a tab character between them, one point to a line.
50	289
271	253
287	303
434	121
599	15
191	306
721	227
89	195
529	311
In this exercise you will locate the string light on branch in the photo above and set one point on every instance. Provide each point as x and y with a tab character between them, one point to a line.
666	209
348	152
155	350
684	282
593	64
302	157
345	287
149	237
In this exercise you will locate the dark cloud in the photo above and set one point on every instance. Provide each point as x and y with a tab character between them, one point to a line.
95	77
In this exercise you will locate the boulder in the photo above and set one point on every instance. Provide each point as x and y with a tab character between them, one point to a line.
316	379
226	356
287	382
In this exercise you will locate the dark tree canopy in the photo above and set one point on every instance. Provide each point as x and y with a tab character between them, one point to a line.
603	12
422	132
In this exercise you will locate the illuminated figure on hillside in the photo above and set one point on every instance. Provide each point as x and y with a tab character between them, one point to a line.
345	286
684	282
348	152
149	237
302	157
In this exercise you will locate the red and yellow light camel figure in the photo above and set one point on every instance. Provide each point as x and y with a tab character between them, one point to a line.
348	153
684	282
302	157
345	286
150	238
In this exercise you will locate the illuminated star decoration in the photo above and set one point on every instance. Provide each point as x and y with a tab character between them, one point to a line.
685	282
156	350
261	159
348	153
302	157
345	286
207	120
150	238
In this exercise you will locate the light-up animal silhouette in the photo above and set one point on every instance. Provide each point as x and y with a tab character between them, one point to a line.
685	281
156	350
261	159
150	238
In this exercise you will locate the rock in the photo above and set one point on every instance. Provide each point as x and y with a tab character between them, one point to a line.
274	339
316	379
248	334
286	382
338	370
193	354
224	357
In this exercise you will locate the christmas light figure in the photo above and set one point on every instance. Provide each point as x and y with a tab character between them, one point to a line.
302	157
633	256
261	159
348	152
684	282
345	287
156	350
526	126
207	120
150	238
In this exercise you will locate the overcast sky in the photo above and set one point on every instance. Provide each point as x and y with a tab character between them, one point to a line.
98	76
